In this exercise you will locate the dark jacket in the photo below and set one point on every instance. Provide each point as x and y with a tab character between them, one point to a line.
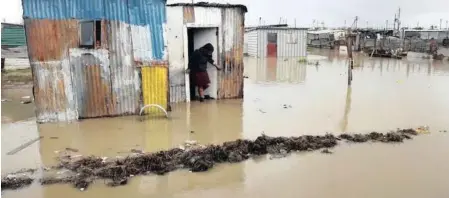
199	59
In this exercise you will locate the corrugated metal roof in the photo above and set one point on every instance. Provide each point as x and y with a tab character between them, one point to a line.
13	36
281	28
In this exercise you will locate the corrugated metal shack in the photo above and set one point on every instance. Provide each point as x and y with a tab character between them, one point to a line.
190	26
277	42
419	40
14	53
96	58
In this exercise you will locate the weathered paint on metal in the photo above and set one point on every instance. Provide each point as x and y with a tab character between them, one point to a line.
231	80
52	91
56	35
48	43
148	13
175	43
155	86
91	78
189	14
230	23
124	75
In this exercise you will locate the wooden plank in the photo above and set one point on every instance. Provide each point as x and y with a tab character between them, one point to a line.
23	146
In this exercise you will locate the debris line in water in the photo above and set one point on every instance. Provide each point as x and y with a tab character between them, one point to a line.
86	170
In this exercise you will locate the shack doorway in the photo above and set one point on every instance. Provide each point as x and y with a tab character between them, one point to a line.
198	37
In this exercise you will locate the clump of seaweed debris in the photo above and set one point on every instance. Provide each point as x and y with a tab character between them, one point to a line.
87	169
13	182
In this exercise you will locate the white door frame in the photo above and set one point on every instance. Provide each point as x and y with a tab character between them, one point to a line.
186	51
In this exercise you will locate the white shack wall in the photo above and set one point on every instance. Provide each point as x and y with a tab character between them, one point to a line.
175	48
285	47
202	17
251	43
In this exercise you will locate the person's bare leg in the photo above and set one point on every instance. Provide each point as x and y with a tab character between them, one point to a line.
201	92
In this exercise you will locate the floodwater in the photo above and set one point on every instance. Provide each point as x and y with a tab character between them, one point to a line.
282	98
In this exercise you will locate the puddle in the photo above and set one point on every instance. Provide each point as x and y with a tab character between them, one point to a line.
282	98
12	108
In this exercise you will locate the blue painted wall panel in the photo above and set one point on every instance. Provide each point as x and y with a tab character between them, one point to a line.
152	13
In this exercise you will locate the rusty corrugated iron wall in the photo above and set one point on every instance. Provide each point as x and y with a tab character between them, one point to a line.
71	82
48	43
231	80
229	19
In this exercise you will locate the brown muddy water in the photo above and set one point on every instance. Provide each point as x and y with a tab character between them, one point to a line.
282	98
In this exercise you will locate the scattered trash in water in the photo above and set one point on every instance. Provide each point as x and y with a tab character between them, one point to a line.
326	151
71	149
287	106
262	111
54	138
192	131
26	100
6	100
423	129
136	151
15	182
197	159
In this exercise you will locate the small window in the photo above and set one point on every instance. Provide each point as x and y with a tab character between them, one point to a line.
90	34
272	37
292	38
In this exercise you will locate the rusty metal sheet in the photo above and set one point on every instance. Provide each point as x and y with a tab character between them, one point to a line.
49	40
189	14
91	82
126	91
231	78
52	91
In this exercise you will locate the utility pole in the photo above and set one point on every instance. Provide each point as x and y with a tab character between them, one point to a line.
441	21
349	49
397	21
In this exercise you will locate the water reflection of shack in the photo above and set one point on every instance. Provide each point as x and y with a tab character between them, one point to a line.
282	70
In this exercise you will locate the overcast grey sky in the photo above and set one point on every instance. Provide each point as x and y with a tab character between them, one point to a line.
332	12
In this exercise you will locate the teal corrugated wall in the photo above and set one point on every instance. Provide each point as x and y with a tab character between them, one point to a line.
13	36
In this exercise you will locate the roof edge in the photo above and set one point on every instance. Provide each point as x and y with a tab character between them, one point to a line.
210	5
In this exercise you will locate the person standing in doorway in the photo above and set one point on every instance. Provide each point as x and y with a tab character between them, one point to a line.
198	67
